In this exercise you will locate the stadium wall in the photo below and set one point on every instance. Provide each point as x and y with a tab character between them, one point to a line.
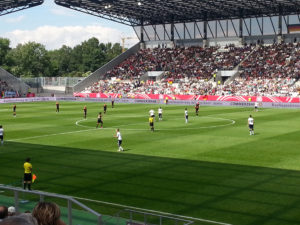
223	41
193	97
157	101
270	39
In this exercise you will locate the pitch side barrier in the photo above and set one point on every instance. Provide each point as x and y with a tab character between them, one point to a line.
155	101
70	201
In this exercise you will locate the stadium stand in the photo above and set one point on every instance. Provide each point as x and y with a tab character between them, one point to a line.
11	86
270	70
186	70
6	91
99	74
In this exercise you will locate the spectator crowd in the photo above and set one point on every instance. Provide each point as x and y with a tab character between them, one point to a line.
185	70
269	70
6	90
44	213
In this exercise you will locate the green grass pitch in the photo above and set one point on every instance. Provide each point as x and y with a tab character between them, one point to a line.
210	168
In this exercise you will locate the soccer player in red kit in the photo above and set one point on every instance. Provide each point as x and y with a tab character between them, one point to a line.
197	108
14	110
57	107
84	112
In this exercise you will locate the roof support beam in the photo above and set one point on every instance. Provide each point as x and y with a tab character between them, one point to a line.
142	30
11	6
177	32
172	31
240	28
234	28
180	11
205	30
259	26
221	27
212	34
187	30
246	26
273	25
198	29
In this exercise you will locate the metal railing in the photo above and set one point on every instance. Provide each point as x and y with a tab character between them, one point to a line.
161	218
42	194
36	82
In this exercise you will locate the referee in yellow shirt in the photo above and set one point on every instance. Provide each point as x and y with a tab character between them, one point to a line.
151	123
27	174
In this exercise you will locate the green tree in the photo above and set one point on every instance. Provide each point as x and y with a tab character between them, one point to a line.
92	56
32	60
113	51
60	60
76	59
4	50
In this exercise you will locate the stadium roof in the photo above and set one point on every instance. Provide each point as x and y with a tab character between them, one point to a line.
9	6
151	12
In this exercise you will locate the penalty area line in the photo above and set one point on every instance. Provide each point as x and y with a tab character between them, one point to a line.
153	211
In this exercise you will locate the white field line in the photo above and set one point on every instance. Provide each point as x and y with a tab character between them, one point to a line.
133	129
109	128
152	211
182	128
48	135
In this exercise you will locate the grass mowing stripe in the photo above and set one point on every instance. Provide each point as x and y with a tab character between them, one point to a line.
220	174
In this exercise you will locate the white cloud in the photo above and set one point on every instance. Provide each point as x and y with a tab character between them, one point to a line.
53	37
15	19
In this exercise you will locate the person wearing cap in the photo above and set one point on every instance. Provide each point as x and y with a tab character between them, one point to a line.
11	211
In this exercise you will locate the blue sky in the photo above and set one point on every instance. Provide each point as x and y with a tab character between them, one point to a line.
53	26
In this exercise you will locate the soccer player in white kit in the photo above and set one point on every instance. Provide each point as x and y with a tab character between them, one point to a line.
251	125
1	134
256	106
160	111
186	115
151	112
119	136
